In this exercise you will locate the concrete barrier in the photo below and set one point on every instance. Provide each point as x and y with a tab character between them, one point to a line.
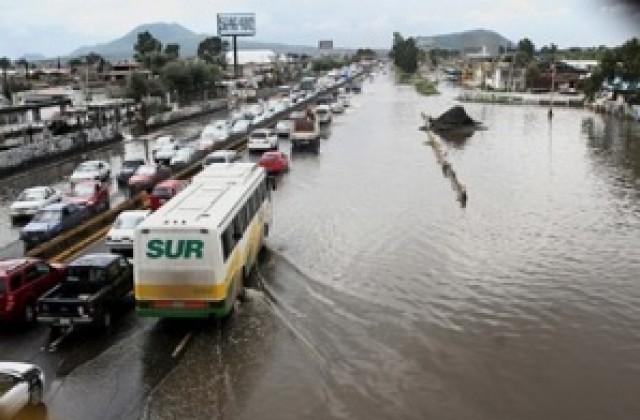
68	240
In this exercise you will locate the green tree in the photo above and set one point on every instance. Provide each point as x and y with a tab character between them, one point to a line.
405	53
526	47
94	58
212	50
172	51
145	47
140	86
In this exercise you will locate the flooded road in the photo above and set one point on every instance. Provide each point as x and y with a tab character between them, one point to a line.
386	299
379	296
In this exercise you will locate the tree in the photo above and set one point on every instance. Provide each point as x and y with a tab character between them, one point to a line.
94	58
146	46
212	50
172	51
365	54
189	78
405	53
139	86
526	47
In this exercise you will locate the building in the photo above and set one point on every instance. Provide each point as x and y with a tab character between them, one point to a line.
122	70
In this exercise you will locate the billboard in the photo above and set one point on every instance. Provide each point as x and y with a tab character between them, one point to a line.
325	45
236	24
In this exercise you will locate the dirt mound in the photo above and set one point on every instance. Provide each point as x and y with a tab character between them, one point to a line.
456	115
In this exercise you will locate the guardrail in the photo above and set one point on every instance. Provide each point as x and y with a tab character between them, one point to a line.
70	243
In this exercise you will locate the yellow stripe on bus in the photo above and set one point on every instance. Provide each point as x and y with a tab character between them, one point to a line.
181	291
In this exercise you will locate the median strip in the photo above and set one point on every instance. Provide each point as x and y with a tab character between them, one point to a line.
80	246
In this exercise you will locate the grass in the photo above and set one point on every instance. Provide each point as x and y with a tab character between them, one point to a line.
423	86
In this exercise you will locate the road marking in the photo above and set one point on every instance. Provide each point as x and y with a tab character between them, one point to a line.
181	345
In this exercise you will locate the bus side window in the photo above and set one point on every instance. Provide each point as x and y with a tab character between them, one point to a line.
239	225
227	242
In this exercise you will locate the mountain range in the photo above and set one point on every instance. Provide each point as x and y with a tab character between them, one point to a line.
468	41
122	48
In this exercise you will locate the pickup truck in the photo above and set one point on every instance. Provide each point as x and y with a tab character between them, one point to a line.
305	132
89	293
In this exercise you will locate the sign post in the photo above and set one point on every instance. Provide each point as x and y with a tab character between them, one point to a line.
235	25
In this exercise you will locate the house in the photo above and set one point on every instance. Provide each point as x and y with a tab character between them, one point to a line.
122	70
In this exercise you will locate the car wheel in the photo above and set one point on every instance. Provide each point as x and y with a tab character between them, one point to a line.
106	319
29	314
35	394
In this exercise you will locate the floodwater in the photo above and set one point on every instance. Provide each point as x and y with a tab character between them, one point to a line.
384	298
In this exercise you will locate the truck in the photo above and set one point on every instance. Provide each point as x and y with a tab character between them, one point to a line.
306	131
89	293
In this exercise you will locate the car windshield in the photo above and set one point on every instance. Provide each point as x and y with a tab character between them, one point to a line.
128	221
269	156
83	190
215	159
161	141
6	383
3	287
169	148
90	274
259	135
146	170
131	163
32	195
162	192
47	216
87	167
183	153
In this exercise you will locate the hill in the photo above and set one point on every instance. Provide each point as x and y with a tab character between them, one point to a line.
467	41
122	48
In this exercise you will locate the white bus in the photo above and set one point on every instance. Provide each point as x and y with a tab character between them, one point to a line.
192	255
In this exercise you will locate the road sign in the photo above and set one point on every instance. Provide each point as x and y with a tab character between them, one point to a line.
325	45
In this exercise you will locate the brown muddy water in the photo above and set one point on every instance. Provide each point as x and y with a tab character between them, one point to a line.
386	299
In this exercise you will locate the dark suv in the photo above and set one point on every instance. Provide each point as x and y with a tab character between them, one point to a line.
129	167
22	282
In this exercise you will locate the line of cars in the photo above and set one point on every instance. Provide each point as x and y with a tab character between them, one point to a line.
50	211
89	290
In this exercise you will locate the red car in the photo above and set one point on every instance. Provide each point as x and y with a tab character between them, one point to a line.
92	194
147	176
165	191
274	162
22	282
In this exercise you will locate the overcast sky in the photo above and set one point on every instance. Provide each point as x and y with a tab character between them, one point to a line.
57	27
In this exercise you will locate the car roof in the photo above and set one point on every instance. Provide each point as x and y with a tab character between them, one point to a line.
38	188
96	260
170	183
262	130
15	367
273	153
57	206
134	213
221	153
8	266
